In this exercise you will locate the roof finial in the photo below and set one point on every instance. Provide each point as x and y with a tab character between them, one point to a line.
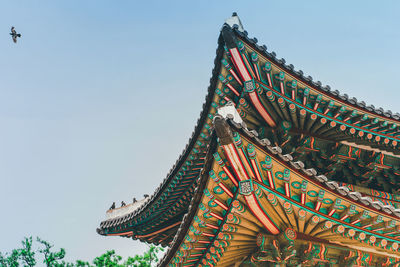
235	20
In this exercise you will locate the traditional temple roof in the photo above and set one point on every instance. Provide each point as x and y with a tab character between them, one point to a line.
354	147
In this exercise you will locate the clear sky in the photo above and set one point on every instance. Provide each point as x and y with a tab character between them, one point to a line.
99	98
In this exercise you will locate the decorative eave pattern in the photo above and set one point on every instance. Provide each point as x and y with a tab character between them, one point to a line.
278	94
374	171
343	190
345	220
188	218
325	89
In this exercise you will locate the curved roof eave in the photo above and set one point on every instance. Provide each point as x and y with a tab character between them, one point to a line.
190	145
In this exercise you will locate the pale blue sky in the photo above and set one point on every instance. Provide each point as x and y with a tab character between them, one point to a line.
98	98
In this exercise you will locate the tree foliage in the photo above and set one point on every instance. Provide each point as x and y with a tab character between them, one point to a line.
51	259
26	257
108	259
26	254
144	260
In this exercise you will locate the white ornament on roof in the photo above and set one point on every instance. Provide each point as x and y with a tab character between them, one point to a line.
235	20
229	109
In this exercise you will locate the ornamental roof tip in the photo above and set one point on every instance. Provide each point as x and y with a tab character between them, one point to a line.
124	210
235	20
229	111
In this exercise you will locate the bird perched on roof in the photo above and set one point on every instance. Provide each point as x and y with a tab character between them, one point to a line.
123	203
134	200
146	195
14	34
112	206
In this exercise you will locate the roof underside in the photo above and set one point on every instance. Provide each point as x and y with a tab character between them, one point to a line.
227	220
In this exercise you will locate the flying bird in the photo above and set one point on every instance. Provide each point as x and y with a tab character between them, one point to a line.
14	34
